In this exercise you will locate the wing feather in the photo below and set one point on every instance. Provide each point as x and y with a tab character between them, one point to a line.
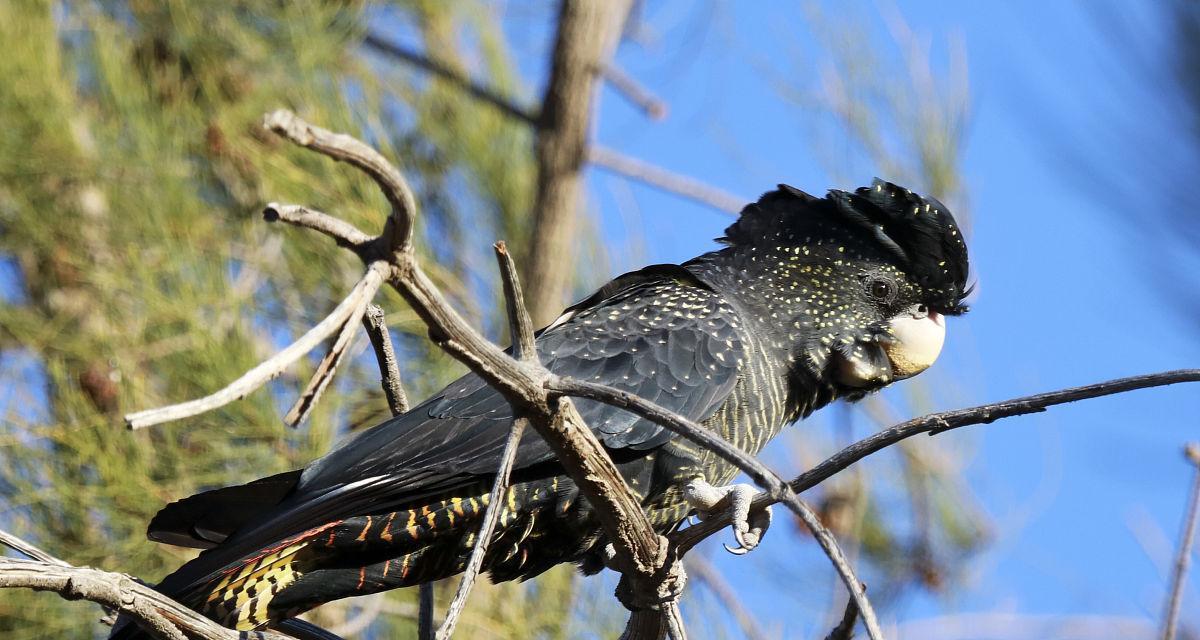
659	333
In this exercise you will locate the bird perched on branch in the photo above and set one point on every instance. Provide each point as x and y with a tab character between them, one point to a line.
811	299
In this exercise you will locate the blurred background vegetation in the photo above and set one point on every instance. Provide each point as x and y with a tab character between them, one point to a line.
135	271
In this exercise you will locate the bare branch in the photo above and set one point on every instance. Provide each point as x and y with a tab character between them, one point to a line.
20	546
520	325
476	89
393	390
1184	557
700	568
344	148
935	423
845	629
588	32
345	234
271	368
634	92
582	456
524	351
490	518
327	368
668	181
389	369
159	615
425	628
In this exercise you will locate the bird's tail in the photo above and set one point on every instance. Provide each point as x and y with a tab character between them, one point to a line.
350	557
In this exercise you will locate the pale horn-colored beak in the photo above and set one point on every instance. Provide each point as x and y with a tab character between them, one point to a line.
917	339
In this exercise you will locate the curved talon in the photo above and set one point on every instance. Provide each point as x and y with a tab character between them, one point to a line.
748	528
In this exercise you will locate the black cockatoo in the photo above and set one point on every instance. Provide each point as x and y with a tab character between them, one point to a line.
810	299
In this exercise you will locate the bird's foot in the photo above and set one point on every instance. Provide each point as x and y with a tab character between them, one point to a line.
748	528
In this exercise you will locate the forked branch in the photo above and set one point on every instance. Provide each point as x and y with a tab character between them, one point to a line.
161	616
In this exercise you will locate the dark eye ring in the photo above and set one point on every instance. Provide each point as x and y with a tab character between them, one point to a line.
881	289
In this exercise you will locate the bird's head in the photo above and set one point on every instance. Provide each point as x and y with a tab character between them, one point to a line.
855	286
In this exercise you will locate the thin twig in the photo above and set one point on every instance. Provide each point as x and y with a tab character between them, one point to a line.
344	148
668	181
327	368
393	389
935	423
389	370
425	628
159	615
343	233
845	629
521	329
519	323
634	92
28	549
272	367
700	568
586	36
1184	557
674	618
475	88
494	509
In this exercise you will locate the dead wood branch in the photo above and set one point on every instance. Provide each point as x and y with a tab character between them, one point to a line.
277	364
389	369
935	423
588	31
327	367
344	148
490	518
524	351
669	181
159	615
27	549
473	87
425	628
520	325
634	92
1183	557
845	629
700	568
342	232
521	382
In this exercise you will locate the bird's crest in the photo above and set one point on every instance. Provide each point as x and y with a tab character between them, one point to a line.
919	231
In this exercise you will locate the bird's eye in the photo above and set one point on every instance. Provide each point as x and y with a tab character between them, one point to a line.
881	290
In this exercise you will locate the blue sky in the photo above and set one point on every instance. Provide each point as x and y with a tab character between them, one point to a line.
1065	297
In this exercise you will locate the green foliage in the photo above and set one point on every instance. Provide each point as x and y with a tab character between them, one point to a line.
132	171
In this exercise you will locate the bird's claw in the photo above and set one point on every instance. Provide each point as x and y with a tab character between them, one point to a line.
737	551
748	528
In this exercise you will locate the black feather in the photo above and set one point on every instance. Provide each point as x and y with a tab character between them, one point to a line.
919	232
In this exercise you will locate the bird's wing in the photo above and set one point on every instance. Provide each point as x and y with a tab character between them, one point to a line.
658	333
